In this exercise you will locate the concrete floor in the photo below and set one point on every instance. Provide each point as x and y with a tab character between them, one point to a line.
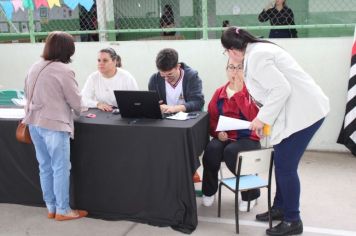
328	207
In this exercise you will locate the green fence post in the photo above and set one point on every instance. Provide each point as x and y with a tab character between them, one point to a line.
205	18
101	18
31	25
110	19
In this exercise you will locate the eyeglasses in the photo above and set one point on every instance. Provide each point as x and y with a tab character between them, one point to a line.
232	67
169	74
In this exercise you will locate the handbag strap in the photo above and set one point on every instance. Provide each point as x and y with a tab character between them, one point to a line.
34	85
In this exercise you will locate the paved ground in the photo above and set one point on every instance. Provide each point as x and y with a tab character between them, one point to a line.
328	207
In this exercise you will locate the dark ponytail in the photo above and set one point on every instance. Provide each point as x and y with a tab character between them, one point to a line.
236	38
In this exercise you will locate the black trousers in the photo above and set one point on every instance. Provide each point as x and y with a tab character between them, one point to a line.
217	152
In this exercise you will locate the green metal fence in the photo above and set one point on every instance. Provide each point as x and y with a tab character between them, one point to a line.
111	20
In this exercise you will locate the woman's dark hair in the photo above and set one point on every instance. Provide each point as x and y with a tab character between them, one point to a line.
168	9
226	23
113	55
236	38
59	47
167	59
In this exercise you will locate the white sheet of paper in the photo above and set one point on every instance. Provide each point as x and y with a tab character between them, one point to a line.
12	113
179	116
227	123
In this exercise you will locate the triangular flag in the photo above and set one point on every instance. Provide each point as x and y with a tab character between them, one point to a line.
87	4
28	4
40	3
17	5
72	4
8	8
51	3
347	134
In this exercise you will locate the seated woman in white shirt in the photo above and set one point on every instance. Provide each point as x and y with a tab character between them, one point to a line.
98	89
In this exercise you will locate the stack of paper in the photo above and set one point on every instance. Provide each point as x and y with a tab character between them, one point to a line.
227	123
179	116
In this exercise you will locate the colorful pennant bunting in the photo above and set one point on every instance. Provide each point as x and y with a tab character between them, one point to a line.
28	4
40	3
17	5
8	8
72	4
52	3
87	4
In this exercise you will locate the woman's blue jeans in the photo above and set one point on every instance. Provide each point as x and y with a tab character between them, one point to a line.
287	155
53	155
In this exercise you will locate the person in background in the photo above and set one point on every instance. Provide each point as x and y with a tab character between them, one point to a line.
278	13
52	94
231	100
285	91
167	20
88	21
226	23
98	89
178	86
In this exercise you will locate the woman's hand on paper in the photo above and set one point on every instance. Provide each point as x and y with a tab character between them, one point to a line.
222	136
257	126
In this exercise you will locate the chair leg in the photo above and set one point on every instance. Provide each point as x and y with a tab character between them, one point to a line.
269	207
248	203
237	212
221	174
219	200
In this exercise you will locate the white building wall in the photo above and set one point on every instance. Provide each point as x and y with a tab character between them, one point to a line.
325	59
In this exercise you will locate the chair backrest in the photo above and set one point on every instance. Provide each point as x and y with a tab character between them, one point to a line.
253	162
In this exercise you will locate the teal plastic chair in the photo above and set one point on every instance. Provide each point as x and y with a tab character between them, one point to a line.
249	165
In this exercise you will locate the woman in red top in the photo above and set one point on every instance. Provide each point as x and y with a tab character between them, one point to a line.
231	100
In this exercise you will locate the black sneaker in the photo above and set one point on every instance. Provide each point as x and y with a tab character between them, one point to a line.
276	214
286	228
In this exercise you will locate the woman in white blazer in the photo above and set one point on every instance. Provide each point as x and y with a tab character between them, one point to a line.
292	104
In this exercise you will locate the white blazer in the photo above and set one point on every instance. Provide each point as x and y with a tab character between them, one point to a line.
291	99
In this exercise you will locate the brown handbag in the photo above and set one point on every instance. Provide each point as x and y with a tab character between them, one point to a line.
22	131
23	134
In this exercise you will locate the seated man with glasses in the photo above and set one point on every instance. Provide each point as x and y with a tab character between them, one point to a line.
178	86
231	100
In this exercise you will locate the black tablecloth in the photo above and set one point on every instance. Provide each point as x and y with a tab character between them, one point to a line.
138	170
19	178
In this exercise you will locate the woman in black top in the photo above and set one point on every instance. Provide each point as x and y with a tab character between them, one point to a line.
279	14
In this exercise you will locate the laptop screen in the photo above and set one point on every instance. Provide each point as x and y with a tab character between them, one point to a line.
138	104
